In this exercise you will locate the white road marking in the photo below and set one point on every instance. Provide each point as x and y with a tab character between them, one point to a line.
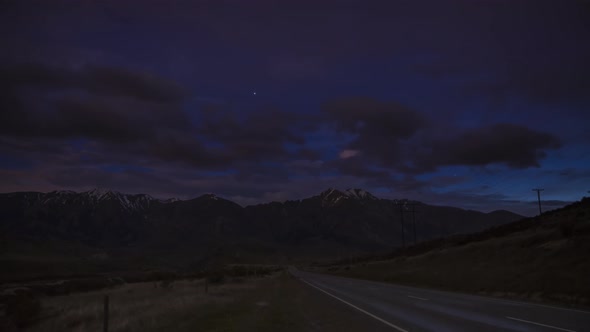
419	298
486	298
357	308
543	305
544	325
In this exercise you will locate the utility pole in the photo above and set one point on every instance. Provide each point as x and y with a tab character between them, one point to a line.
414	220
105	317
401	213
538	190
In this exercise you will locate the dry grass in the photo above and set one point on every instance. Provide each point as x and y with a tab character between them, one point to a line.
267	304
140	307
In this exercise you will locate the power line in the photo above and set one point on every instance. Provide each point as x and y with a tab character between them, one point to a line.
501	188
402	206
414	221
538	190
413	205
401	213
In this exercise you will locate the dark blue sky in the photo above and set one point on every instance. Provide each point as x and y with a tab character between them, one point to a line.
465	103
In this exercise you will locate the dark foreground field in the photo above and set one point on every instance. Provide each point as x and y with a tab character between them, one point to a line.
277	302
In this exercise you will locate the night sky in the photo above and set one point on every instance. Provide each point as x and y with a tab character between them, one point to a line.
466	103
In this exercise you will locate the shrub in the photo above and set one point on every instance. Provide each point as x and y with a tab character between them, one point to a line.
567	228
166	284
22	307
216	278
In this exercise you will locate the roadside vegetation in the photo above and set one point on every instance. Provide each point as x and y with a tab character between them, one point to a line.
147	306
273	302
76	304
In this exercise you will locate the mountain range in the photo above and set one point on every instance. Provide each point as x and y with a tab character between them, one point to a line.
333	222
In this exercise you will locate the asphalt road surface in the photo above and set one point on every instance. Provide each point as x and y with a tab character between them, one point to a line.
404	308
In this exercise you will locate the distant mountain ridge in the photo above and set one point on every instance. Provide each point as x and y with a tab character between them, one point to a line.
331	222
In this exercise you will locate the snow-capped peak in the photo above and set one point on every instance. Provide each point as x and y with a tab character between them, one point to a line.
331	193
128	202
211	196
169	200
58	196
332	196
100	193
62	192
359	194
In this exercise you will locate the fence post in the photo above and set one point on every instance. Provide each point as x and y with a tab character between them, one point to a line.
106	314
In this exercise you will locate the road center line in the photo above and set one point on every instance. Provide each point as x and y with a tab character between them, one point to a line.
419	298
357	308
544	325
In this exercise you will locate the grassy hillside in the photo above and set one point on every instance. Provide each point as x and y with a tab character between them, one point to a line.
545	258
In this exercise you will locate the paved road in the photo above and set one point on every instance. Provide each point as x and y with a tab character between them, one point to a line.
414	309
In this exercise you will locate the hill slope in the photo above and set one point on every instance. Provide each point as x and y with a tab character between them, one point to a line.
543	258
